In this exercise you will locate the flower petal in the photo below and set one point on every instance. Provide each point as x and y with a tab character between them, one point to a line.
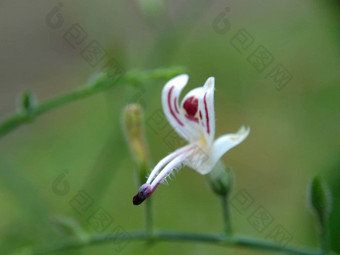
198	110
208	105
219	148
170	97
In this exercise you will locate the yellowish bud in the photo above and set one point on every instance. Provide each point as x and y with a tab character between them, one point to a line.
133	128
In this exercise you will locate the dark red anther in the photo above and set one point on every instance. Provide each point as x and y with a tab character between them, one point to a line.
137	199
143	193
191	105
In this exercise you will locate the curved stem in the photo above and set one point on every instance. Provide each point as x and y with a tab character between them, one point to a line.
217	239
102	82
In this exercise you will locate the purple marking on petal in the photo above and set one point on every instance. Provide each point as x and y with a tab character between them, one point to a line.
170	108
206	112
191	118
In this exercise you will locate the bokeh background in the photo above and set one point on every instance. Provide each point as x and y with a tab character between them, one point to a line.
294	129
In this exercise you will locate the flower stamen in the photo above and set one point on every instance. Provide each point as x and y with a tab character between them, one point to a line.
172	165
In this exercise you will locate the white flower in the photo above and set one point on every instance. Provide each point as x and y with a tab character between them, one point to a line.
194	120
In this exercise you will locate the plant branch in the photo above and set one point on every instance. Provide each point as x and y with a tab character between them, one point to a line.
102	82
217	239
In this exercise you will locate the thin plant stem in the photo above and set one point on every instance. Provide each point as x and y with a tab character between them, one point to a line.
216	239
226	215
102	82
324	238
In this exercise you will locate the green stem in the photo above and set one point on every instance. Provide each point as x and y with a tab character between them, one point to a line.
226	215
324	237
103	82
217	239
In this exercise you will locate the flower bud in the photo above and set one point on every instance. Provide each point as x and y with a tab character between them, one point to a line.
133	127
28	101
320	198
220	179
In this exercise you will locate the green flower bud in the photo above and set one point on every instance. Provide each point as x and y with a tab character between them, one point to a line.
220	180
320	198
28	101
133	128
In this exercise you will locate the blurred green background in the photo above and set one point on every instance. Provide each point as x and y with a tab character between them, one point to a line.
294	130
